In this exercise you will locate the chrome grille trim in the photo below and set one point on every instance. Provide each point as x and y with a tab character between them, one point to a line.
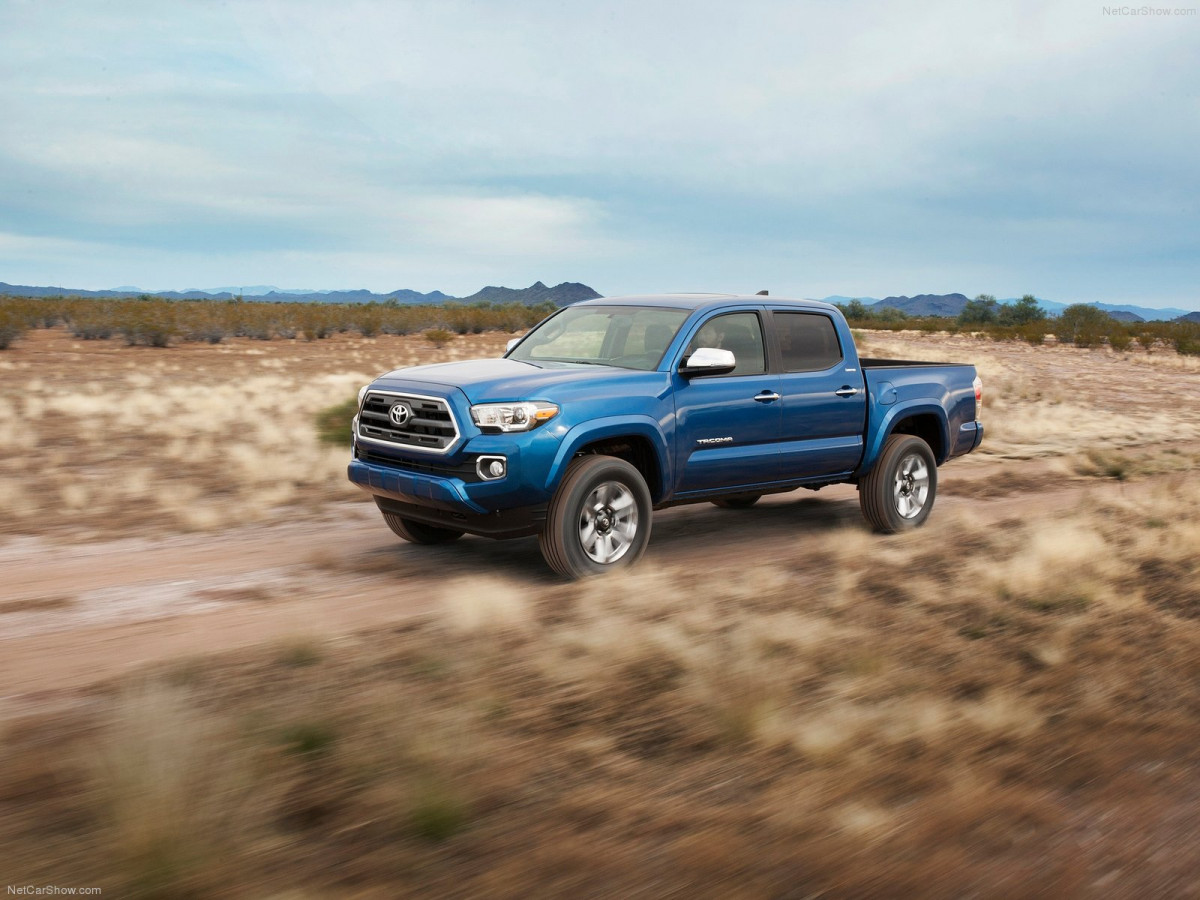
432	427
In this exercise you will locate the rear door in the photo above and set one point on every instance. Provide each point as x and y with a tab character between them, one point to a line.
727	426
824	403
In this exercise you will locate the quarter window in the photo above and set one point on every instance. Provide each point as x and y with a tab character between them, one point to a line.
808	342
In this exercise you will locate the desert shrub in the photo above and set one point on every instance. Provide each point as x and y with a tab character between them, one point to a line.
1083	325
1023	312
438	811
930	325
983	310
855	311
201	321
1186	338
1119	338
368	319
1147	339
439	337
333	422
12	326
147	322
1001	332
308	738
93	320
1033	333
314	319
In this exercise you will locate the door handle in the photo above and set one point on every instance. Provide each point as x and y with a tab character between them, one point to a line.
846	391
766	397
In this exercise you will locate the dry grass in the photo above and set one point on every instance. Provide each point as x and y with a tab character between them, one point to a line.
1000	704
988	710
134	440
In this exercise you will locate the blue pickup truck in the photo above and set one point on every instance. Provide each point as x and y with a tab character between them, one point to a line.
612	408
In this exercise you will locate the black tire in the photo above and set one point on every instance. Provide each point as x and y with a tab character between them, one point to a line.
602	508
898	493
738	501
418	532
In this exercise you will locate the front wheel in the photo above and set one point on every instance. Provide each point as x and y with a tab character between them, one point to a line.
898	494
599	519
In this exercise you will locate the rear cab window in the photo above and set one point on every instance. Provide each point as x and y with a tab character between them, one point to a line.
808	341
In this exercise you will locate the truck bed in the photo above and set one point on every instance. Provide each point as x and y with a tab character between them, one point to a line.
870	363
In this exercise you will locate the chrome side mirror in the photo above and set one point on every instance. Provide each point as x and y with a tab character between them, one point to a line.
508	347
708	361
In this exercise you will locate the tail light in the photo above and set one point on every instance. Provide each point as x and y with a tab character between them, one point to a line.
978	385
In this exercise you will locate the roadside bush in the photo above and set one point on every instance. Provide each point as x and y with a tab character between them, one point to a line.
202	322
92	321
1083	325
439	337
12	326
1033	333
1186	338
148	322
314	320
983	310
1120	339
333	423
368	319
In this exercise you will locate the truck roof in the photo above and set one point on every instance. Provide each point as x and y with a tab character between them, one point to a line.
700	301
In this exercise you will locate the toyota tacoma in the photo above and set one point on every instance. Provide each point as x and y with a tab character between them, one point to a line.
613	408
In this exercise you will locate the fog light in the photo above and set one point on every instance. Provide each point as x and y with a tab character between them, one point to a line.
491	468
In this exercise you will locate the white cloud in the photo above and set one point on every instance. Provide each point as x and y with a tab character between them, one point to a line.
641	144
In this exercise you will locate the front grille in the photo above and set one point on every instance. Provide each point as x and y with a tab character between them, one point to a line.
425	423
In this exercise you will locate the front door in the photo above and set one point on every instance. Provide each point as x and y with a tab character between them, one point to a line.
727	426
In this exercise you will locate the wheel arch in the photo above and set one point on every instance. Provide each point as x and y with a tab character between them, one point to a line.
928	422
638	442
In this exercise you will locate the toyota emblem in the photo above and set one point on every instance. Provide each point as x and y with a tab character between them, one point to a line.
400	413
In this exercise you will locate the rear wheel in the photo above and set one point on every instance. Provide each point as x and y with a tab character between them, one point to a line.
738	501
899	493
599	519
418	532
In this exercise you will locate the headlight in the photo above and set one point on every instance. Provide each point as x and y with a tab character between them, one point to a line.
362	392
495	417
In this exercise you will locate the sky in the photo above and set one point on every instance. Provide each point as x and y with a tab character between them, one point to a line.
808	148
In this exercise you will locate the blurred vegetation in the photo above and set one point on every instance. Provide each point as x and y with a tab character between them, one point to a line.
1080	324
157	322
333	423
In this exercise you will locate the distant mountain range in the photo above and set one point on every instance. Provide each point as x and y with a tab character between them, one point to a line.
952	305
562	294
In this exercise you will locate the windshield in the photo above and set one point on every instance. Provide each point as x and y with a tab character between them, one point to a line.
632	337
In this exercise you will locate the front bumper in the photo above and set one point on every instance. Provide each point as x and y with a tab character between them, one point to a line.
447	491
433	491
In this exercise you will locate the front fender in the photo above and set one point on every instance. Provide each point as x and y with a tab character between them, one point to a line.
895	414
612	427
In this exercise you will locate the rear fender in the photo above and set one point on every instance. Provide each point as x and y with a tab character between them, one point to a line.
896	414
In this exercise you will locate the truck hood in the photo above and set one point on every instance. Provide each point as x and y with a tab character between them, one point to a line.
488	380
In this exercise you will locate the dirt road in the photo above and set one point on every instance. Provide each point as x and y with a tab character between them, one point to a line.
74	615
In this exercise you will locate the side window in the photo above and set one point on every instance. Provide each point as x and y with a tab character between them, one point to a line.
808	341
740	333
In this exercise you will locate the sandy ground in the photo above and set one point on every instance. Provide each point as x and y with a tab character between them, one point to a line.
1001	704
119	584
76	615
